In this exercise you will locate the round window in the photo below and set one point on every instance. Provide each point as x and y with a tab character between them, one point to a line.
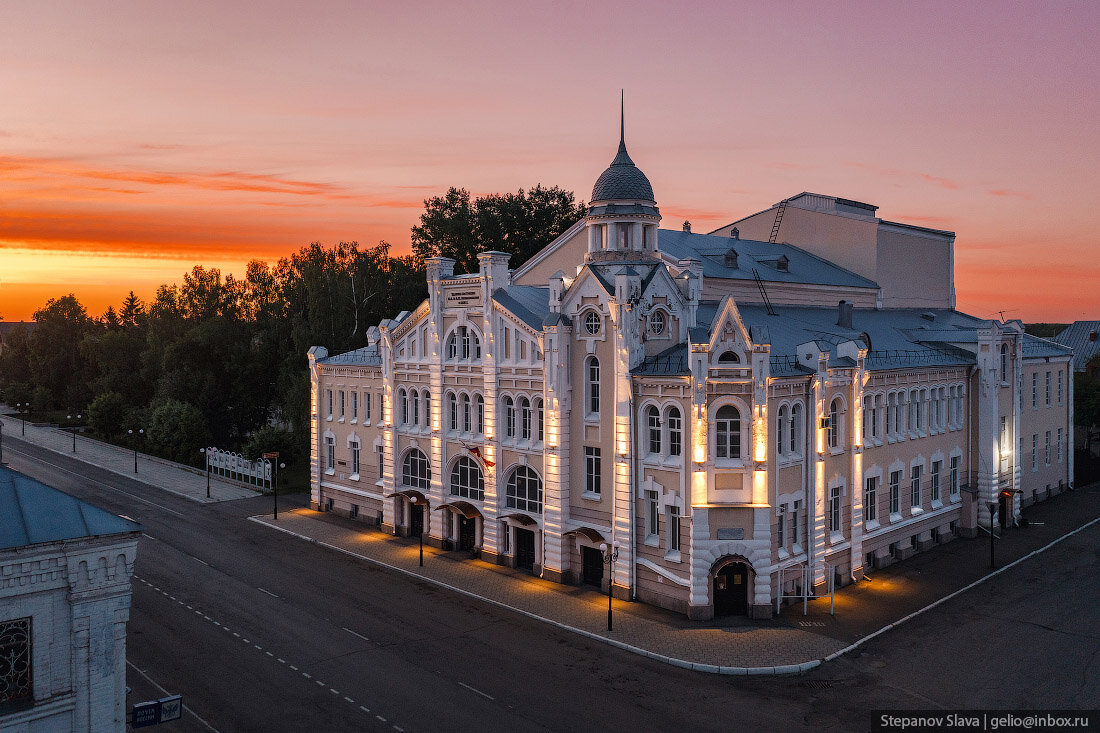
657	323
592	323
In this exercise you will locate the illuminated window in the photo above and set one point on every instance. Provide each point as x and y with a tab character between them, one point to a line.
675	432
781	423
728	432
467	480
795	431
524	490
416	471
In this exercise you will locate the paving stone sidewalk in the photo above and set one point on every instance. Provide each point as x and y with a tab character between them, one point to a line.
173	477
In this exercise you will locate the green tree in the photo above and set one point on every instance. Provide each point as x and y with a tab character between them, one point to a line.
57	366
176	430
106	414
519	223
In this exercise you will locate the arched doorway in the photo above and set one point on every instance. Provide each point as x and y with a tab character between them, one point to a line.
731	589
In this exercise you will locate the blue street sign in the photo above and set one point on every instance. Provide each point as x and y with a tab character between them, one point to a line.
146	713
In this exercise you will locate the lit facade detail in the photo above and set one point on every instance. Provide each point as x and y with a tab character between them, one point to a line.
854	381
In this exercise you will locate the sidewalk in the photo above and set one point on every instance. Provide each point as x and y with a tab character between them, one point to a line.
172	477
786	644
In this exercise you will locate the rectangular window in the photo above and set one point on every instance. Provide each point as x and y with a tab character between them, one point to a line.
1035	452
1004	435
936	467
866	419
870	497
1034	390
592	469
779	538
381	405
330	454
794	522
366	407
954	475
341	404
16	664
355	457
652	514
381	461
1046	453
328	401
1060	387
675	445
1048	389
895	492
914	487
674	529
354	406
1059	445
834	509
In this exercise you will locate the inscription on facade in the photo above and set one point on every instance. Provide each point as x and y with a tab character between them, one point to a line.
463	298
731	533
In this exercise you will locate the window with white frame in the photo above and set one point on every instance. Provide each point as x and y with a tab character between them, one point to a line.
657	323
914	486
1034	390
870	499
381	457
479	409
414	400
1060	373
328	400
895	492
794	434
592	470
366	407
673	528
781	421
403	405
509	407
467	479
382	405
834	423
330	453
834	509
795	512
1004	363
524	418
1004	445
415	470
1048	389
652	515
354	445
727	432
463	344
540	423
524	490
591	322
937	467
354	406
592	386
16	663
954	475
780	540
427	409
452	411
675	432
653	427
467	414
891	414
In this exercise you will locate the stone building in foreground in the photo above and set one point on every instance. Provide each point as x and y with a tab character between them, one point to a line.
745	414
65	569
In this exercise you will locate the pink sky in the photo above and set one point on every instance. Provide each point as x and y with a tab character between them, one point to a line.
138	139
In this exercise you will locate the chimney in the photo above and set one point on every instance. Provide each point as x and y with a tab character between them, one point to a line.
844	314
730	260
1092	335
687	227
735	233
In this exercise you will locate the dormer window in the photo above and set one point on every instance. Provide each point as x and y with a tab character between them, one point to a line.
783	264
728	357
730	260
592	323
657	323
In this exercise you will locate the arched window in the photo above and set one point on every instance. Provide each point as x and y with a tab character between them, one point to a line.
592	323
1004	362
524	418
415	470
729	357
414	396
463	344
728	432
780	430
834	423
657	323
480	405
795	433
539	418
509	418
592	385
467	418
467	480
452	411
427	409
675	432
403	405
653	421
524	490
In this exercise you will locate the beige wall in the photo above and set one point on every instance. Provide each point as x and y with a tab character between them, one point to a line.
568	256
914	270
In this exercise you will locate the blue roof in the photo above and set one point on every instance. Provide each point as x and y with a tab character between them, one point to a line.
368	355
1039	347
529	303
32	513
1077	337
672	362
802	266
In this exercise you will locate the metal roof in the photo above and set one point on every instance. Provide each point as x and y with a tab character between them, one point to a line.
1076	337
32	513
622	180
1040	347
529	303
368	356
672	362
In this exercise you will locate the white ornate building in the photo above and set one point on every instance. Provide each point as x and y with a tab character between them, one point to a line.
793	396
65	569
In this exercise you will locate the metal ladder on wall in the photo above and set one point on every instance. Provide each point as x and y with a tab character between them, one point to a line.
778	220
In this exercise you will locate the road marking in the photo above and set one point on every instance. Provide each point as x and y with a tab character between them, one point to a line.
474	689
269	654
198	560
365	710
398	728
294	668
319	683
307	675
235	634
380	718
354	634
281	660
154	539
349	699
246	641
258	647
185	707
268	592
334	692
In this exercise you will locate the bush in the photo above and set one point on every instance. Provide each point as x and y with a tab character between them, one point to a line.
106	414
270	439
176	430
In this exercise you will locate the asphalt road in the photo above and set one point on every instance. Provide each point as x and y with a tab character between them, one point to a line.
260	631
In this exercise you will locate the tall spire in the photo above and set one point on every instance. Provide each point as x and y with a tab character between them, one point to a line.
621	156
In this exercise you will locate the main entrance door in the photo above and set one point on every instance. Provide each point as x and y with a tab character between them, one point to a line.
592	566
731	590
525	549
466	530
1005	509
416	520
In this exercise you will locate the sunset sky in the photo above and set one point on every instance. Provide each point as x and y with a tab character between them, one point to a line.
138	139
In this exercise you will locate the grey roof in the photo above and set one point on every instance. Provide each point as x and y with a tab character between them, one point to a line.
32	513
622	180
1076	336
366	356
1040	347
802	267
528	303
672	362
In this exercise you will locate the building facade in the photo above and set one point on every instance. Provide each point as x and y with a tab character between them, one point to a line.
743	418
65	569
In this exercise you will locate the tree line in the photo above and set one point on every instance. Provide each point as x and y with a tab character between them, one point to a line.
221	360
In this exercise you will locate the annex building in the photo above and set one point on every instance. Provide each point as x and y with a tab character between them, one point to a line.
745	414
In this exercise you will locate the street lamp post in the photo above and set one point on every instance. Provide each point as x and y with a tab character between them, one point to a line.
140	432
413	500
992	508
610	555
274	457
23	408
72	429
203	451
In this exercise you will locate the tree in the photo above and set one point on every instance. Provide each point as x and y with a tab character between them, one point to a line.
54	357
107	413
176	431
520	224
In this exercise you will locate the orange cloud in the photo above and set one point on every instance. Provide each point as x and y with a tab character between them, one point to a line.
1008	192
